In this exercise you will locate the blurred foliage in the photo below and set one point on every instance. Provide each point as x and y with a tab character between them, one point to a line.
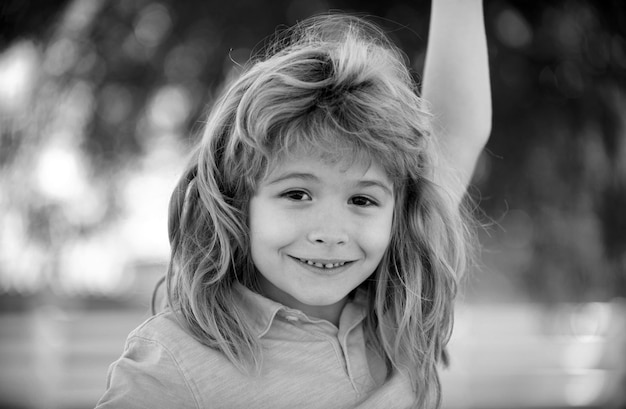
118	79
559	144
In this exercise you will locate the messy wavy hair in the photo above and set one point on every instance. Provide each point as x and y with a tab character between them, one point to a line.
334	84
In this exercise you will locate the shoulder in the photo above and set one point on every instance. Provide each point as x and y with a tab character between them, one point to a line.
163	328
166	331
150	372
163	338
163	366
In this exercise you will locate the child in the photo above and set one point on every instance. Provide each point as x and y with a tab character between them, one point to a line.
316	238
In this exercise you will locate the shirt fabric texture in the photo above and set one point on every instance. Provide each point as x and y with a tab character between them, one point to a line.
306	363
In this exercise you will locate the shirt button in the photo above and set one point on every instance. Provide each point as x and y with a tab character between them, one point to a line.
291	318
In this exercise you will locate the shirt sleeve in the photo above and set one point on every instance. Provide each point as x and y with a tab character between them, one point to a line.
146	376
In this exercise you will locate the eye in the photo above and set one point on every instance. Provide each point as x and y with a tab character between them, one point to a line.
296	195
362	201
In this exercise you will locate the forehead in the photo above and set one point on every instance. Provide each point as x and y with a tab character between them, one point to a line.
348	162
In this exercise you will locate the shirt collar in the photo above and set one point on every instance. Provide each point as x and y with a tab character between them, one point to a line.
262	311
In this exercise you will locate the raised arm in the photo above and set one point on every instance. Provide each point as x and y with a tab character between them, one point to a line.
456	87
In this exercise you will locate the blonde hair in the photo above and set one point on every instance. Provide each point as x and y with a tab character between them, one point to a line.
334	84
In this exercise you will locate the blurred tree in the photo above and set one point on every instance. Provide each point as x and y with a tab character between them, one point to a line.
559	72
134	74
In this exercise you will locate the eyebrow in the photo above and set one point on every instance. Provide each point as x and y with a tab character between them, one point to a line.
294	175
376	183
312	178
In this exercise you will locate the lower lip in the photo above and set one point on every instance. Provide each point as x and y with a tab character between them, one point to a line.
321	270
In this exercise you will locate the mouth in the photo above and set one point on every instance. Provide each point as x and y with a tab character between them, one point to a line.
325	264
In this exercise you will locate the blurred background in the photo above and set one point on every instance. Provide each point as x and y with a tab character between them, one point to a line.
101	100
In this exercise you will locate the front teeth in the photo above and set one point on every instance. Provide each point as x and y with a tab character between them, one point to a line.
320	265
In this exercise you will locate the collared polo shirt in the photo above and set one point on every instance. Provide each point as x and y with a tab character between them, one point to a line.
306	363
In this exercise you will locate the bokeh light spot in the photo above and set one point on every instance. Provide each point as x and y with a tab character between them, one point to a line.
58	172
170	107
513	29
153	24
61	56
17	75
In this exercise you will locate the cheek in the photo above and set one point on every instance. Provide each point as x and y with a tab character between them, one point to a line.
260	232
258	220
376	235
267	227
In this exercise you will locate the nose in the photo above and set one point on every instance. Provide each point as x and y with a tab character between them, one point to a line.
329	238
329	228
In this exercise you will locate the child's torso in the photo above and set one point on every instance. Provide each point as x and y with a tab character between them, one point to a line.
304	364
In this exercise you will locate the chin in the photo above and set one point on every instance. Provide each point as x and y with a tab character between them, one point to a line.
321	300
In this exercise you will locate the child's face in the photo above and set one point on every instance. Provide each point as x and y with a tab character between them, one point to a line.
318	230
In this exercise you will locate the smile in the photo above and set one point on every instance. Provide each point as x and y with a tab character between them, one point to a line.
322	264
